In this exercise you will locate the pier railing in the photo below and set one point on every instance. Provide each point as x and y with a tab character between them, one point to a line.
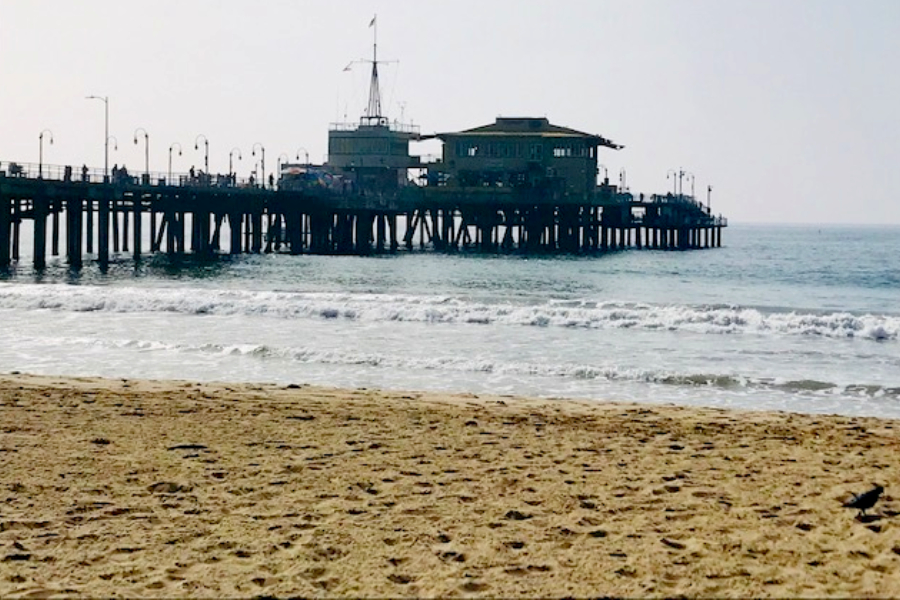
121	177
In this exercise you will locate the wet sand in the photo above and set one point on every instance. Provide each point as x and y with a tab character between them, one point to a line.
176	489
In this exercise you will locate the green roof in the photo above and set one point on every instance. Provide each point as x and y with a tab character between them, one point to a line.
532	126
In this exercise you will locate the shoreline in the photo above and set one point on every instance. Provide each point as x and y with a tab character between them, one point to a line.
175	488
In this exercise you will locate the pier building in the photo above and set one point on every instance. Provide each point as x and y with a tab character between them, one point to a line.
522	152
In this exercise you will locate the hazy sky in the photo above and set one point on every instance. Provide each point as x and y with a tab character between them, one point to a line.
790	109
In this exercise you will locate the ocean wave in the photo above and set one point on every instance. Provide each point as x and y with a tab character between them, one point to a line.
442	309
463	364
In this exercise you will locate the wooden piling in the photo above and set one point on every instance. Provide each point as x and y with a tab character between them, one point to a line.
257	233
114	219
103	227
125	226
40	209
235	219
89	221
5	222
151	216
74	212
16	228
54	226
137	206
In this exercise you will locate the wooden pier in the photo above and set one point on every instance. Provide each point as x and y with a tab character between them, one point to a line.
89	216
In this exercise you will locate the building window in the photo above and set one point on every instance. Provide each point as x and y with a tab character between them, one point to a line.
536	152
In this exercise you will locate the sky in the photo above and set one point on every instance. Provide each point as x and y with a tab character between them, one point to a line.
789	109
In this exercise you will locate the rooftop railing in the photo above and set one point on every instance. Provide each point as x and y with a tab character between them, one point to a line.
394	126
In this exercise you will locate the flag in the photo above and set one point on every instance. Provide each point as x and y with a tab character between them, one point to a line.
372	22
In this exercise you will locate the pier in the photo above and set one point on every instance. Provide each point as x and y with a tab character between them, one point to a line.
88	216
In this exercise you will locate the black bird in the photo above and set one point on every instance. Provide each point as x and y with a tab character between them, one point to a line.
864	501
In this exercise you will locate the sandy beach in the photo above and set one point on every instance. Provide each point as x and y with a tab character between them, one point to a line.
176	489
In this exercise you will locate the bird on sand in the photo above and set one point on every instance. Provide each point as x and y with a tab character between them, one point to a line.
865	501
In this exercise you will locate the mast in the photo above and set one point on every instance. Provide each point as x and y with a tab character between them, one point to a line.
374	109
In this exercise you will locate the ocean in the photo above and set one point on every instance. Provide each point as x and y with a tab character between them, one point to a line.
796	318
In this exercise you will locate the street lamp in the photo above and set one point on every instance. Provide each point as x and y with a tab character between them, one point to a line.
676	180
146	149
691	175
305	152
105	100
41	151
605	171
206	155
262	152
622	178
172	147
231	161
282	162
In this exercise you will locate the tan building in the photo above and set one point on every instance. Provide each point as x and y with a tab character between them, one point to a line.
519	152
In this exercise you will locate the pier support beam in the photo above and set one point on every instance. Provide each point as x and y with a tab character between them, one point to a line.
5	206
103	229
89	220
235	219
74	211
137	200
54	228
16	226
257	234
41	208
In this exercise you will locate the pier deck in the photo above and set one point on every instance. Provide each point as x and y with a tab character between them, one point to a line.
97	217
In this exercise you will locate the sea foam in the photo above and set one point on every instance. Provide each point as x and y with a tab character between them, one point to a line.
584	314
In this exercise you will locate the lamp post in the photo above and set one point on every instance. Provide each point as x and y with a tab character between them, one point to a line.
105	100
605	172
146	149
115	142
282	162
622	178
206	155
41	151
676	180
305	153
262	152
708	194
231	161
691	175
172	147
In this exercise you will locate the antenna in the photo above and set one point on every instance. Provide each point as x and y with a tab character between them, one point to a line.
374	109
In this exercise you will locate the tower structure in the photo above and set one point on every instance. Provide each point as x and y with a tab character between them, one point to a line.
373	153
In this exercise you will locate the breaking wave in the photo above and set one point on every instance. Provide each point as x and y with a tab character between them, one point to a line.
464	364
583	314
